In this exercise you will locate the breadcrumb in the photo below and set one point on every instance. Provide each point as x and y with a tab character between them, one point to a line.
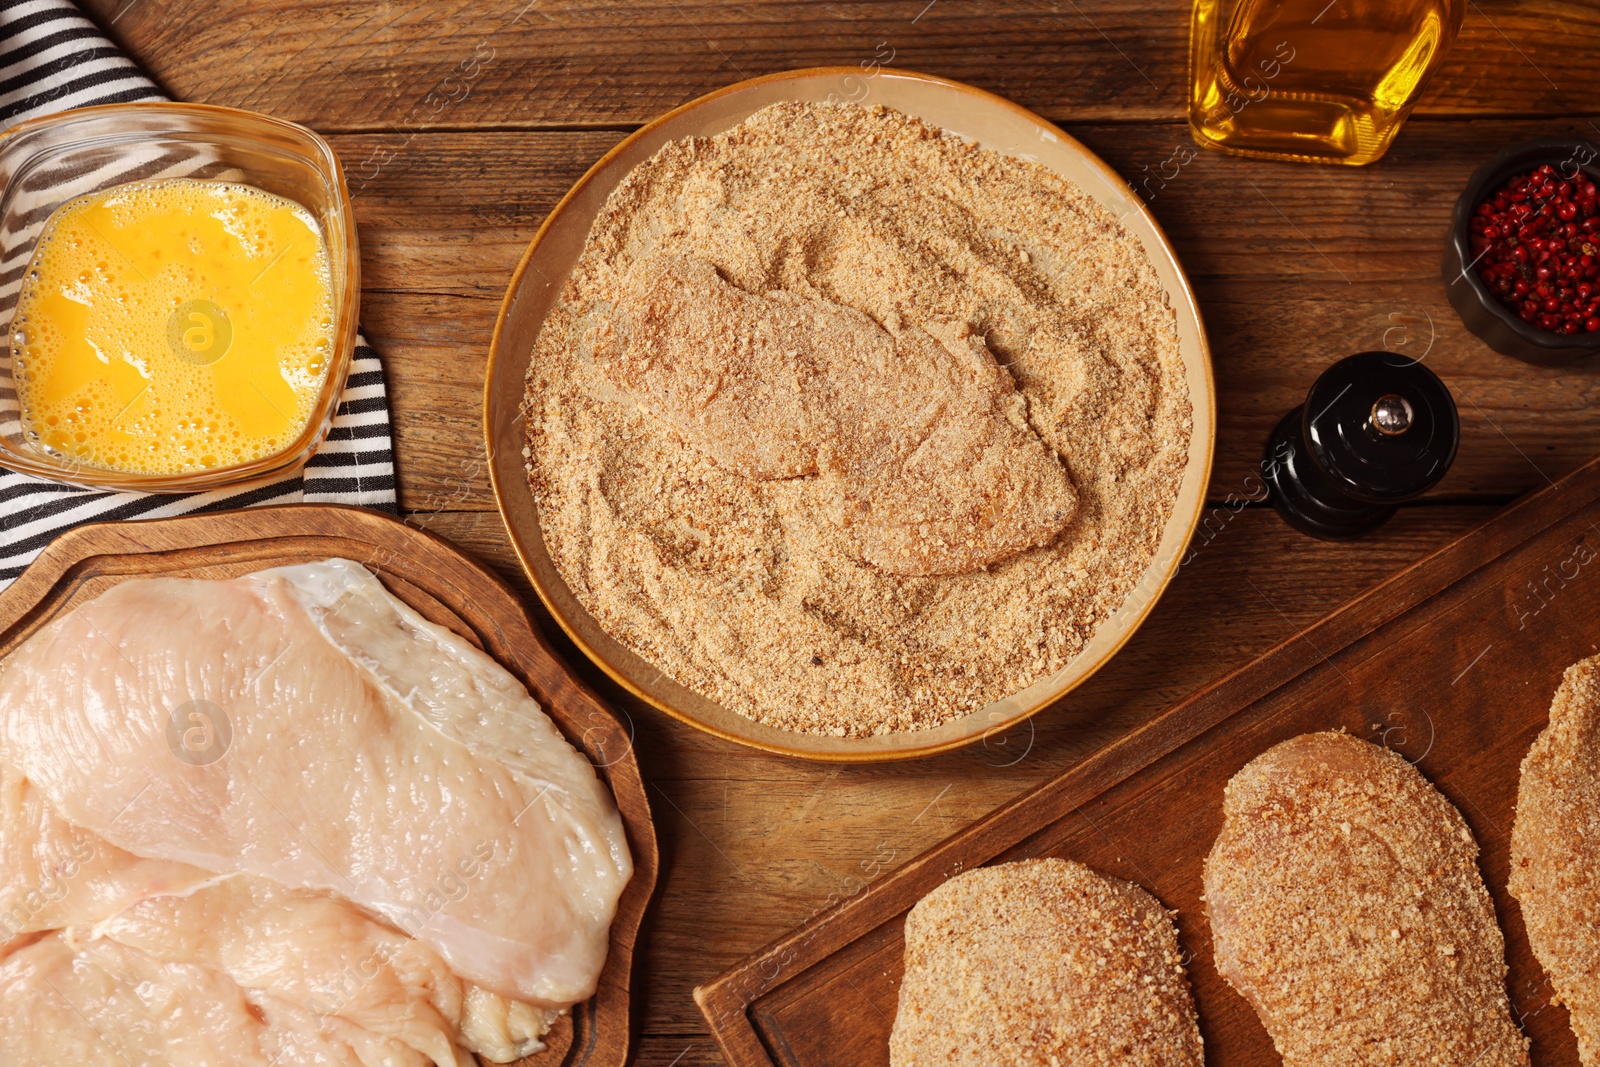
756	592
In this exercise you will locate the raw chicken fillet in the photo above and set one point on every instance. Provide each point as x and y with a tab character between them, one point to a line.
284	818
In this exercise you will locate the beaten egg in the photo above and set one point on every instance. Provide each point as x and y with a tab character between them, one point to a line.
173	325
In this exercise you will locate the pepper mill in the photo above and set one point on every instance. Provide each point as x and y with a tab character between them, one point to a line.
1376	430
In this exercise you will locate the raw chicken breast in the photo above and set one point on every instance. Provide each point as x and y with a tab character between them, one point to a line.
105	1005
326	967
313	950
322	955
53	873
303	726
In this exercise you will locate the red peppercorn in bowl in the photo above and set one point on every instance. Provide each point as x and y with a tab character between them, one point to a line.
1533	246
1523	262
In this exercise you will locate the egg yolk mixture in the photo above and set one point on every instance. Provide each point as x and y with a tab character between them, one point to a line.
173	325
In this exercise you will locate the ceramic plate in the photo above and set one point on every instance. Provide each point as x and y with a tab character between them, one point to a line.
961	109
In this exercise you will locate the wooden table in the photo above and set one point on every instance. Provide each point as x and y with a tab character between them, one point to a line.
461	123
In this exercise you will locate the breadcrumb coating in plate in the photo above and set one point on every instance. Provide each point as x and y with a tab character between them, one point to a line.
736	573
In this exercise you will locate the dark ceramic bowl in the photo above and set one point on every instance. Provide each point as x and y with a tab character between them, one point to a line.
1500	327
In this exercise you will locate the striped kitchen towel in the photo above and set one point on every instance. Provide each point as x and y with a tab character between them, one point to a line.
51	59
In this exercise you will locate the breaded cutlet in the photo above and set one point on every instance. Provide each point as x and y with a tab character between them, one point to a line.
1043	963
926	440
1555	851
1346	906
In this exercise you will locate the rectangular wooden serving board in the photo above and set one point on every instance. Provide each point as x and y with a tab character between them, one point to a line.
1451	663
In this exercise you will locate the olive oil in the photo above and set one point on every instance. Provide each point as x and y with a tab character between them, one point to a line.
1326	81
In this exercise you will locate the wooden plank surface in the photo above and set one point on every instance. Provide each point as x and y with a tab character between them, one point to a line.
1294	266
353	64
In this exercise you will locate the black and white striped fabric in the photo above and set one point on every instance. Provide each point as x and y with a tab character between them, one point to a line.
51	59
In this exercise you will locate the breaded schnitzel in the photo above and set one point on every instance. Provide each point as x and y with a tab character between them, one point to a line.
1347	908
1043	963
1555	850
926	439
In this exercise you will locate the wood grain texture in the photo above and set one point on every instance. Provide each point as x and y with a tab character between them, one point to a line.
1451	663
443	586
448	199
348	64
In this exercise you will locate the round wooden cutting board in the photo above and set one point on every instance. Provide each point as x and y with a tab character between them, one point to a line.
441	584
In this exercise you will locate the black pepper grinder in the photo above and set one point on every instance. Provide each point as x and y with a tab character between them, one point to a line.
1376	429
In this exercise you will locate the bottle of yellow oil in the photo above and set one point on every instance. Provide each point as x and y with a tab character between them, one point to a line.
1324	81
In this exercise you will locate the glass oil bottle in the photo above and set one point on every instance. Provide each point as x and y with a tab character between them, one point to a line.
1325	81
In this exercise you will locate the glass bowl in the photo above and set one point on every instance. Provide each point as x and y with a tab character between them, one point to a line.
1480	310
47	161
